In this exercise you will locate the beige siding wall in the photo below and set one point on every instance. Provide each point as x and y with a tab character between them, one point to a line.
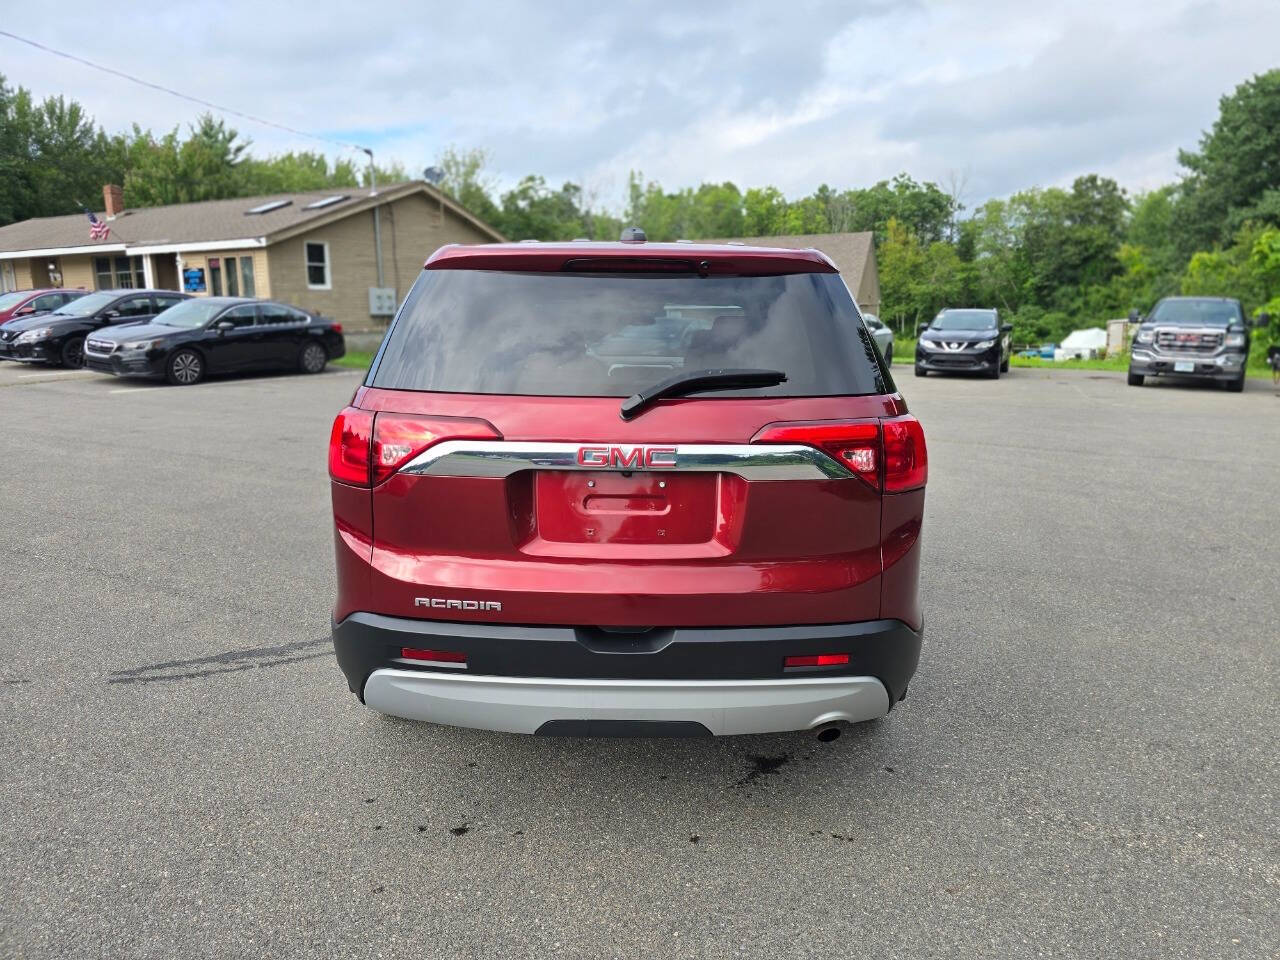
77	272
261	278
869	289
34	271
412	228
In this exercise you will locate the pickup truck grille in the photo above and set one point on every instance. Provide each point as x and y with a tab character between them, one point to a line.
101	348
1188	340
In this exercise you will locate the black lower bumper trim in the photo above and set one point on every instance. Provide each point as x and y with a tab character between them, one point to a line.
623	728
886	649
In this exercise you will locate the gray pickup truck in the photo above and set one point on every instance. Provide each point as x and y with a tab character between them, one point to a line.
1206	338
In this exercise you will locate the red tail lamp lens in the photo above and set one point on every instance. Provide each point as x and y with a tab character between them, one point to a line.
398	438
364	450
349	446
817	660
433	656
906	459
855	443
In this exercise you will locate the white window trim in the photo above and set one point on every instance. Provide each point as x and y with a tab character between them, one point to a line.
328	265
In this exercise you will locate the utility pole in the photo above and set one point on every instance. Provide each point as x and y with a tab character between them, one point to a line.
377	216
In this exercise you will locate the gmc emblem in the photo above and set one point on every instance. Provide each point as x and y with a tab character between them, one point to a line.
628	458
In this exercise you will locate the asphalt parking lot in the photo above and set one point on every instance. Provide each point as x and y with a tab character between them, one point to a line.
1086	766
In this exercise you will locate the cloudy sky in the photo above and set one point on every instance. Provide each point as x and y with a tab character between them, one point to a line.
994	96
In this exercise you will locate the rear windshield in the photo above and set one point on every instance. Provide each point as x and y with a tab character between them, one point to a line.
1197	313
568	334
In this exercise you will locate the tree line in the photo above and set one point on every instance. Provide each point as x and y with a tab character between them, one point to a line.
1052	259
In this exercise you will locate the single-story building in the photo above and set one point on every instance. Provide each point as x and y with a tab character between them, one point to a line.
348	253
854	254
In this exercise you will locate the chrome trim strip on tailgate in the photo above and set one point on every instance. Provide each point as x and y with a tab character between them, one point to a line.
751	461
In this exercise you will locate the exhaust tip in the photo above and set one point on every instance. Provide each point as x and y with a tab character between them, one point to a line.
827	734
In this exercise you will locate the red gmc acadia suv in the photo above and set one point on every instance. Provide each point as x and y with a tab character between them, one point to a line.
628	488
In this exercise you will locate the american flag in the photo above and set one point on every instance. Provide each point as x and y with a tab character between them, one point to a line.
98	229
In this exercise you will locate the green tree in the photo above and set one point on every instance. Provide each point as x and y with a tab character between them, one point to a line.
1235	175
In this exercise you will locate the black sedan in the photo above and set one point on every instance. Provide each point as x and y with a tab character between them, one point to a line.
58	337
217	335
964	340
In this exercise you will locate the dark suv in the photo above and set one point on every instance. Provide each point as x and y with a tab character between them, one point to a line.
58	337
628	489
1205	338
964	340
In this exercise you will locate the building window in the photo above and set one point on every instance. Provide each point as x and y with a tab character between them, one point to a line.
215	276
317	255
240	276
119	273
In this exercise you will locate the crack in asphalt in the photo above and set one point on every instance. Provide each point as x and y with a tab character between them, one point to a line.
231	661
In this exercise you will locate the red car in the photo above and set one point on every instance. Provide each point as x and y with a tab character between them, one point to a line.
628	489
21	304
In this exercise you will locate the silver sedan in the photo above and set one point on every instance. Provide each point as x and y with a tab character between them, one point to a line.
882	335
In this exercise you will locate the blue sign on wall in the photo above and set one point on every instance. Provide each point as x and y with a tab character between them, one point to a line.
193	279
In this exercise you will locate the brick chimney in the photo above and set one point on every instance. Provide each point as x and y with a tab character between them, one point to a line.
112	199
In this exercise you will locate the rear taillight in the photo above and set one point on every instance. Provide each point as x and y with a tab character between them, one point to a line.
855	443
349	446
364	450
336	327
399	437
888	454
906	459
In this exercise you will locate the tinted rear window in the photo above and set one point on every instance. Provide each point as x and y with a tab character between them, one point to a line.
564	334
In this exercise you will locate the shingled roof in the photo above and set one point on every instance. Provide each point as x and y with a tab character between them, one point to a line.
281	215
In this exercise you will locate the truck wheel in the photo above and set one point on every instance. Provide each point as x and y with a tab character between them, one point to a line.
1135	379
921	371
1237	385
994	373
1004	365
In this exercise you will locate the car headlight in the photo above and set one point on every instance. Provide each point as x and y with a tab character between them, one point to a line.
1144	336
983	344
1234	340
926	342
31	336
138	345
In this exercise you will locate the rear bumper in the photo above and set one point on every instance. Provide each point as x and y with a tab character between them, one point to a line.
636	707
721	679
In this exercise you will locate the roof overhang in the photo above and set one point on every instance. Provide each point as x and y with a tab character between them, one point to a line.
137	249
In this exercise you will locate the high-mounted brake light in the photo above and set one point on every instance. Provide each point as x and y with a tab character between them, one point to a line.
364	450
854	443
887	454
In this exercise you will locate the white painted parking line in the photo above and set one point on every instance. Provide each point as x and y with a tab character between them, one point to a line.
155	390
55	373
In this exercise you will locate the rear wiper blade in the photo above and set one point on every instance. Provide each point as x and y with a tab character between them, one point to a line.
692	381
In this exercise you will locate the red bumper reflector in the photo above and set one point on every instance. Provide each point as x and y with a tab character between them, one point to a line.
817	660
439	656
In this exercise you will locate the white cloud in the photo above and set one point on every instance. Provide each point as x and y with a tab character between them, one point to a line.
1005	95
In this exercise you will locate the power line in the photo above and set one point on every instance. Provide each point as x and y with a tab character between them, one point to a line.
183	96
